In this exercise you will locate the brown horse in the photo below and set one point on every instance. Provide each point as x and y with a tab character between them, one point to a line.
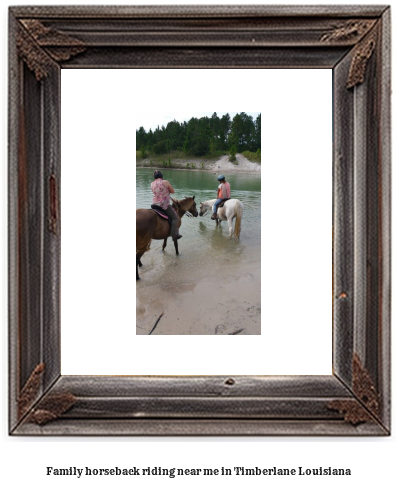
150	226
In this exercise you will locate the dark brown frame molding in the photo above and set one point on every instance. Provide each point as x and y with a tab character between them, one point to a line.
352	41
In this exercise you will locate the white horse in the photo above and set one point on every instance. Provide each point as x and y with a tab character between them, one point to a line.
231	208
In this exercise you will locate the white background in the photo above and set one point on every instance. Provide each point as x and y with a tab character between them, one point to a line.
373	460
98	234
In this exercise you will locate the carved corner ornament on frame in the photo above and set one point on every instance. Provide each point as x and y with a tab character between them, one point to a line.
353	42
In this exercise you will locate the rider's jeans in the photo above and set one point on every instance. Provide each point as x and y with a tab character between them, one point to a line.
214	208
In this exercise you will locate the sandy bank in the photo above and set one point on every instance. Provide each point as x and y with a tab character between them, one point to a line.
221	165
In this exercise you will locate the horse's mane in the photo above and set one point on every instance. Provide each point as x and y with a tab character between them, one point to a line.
176	204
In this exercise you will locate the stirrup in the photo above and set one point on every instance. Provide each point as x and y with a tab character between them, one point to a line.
214	216
177	237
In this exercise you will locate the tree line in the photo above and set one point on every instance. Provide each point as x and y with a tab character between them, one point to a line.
203	136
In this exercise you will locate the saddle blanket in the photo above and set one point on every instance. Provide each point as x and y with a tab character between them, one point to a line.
161	212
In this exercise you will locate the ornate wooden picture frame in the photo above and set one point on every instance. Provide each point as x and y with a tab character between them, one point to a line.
352	41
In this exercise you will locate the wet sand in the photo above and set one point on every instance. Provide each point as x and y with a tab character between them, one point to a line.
228	304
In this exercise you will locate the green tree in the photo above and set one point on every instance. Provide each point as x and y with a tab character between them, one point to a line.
242	129
257	135
197	136
141	138
232	153
225	127
143	153
160	147
203	135
174	133
150	139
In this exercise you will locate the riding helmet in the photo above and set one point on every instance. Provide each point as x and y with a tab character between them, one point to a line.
158	174
221	177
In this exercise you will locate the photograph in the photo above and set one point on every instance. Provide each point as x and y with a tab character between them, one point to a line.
198	188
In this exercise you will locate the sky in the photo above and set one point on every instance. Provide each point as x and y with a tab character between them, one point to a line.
152	120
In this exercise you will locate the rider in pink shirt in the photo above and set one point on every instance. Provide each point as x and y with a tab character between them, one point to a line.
162	190
223	192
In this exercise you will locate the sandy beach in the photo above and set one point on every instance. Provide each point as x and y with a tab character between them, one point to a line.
230	306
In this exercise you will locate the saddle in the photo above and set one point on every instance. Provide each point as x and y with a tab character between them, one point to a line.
222	203
161	212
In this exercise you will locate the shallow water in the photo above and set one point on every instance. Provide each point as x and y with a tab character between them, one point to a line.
213	286
203	245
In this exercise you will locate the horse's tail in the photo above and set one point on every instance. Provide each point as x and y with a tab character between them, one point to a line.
144	230
238	212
